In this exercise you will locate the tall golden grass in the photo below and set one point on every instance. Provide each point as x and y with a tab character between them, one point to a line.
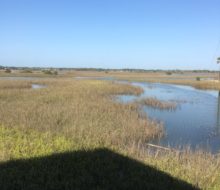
78	109
197	167
155	103
81	114
12	84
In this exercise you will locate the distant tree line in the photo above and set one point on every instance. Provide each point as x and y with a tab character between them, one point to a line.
51	70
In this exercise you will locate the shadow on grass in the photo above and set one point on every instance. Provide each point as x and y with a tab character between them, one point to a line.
98	169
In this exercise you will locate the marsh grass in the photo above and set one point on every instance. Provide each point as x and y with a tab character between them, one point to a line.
183	78
206	85
78	110
16	143
186	78
159	104
81	115
12	84
200	167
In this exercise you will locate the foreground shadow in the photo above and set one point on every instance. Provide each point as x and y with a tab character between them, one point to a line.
98	169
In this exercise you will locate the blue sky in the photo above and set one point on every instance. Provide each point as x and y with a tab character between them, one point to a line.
147	34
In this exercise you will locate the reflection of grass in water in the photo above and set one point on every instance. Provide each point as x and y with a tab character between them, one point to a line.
179	101
80	115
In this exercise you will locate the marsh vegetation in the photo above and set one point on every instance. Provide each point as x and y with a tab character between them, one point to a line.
74	115
155	103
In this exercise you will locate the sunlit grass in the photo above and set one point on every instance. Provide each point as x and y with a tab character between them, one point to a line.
81	115
185	78
12	84
16	143
199	167
78	110
155	103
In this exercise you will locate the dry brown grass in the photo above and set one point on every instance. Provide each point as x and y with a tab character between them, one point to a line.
75	115
77	109
12	84
155	103
142	75
186	78
197	167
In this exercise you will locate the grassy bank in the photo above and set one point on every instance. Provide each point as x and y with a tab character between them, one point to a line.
183	78
77	110
200	80
205	85
81	115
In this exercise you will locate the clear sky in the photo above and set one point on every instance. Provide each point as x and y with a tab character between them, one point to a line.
147	34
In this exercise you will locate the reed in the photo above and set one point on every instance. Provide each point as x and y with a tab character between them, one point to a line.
198	167
13	84
82	115
155	103
77	110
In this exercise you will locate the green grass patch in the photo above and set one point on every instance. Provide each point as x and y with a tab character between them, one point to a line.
17	143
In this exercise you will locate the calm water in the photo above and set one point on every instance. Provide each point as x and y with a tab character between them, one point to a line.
37	86
195	122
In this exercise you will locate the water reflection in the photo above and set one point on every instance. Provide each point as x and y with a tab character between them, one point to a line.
196	124
37	86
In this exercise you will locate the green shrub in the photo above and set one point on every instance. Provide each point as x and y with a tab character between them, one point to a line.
169	73
8	70
50	72
26	71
